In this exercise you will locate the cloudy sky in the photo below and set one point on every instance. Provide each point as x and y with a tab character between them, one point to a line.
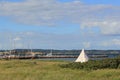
60	24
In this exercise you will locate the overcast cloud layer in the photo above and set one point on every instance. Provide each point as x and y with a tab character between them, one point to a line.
106	18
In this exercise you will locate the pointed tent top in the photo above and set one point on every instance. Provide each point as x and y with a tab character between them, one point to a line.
82	50
82	57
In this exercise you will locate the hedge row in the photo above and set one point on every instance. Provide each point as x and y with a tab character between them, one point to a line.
94	64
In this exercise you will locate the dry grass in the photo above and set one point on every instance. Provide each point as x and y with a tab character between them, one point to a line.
50	70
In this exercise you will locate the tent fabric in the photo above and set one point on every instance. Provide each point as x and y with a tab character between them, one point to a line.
82	57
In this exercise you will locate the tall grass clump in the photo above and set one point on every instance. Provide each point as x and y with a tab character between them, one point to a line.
94	64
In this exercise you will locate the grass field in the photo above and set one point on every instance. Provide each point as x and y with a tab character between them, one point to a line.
50	70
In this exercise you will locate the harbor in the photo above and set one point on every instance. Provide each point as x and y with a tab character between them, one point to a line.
54	56
65	55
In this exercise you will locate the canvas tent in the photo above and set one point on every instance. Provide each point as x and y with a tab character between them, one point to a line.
82	57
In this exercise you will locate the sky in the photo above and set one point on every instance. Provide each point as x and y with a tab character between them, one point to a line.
60	24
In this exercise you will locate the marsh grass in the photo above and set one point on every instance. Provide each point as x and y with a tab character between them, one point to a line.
50	70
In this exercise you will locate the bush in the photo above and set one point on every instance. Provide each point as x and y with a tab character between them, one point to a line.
94	64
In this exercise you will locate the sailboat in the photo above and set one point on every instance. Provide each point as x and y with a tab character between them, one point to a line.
50	54
82	57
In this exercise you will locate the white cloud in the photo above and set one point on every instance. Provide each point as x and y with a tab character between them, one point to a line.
59	41
112	42
107	27
17	39
86	44
50	12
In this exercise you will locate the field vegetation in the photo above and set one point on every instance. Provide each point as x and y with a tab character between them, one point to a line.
51	70
113	63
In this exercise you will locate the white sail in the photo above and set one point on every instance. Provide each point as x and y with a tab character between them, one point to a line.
49	54
82	57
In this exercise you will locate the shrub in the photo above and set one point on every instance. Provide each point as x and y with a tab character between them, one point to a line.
94	64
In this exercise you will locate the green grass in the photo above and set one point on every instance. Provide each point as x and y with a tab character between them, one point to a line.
50	70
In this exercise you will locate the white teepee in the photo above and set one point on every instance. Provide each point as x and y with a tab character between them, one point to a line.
82	57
